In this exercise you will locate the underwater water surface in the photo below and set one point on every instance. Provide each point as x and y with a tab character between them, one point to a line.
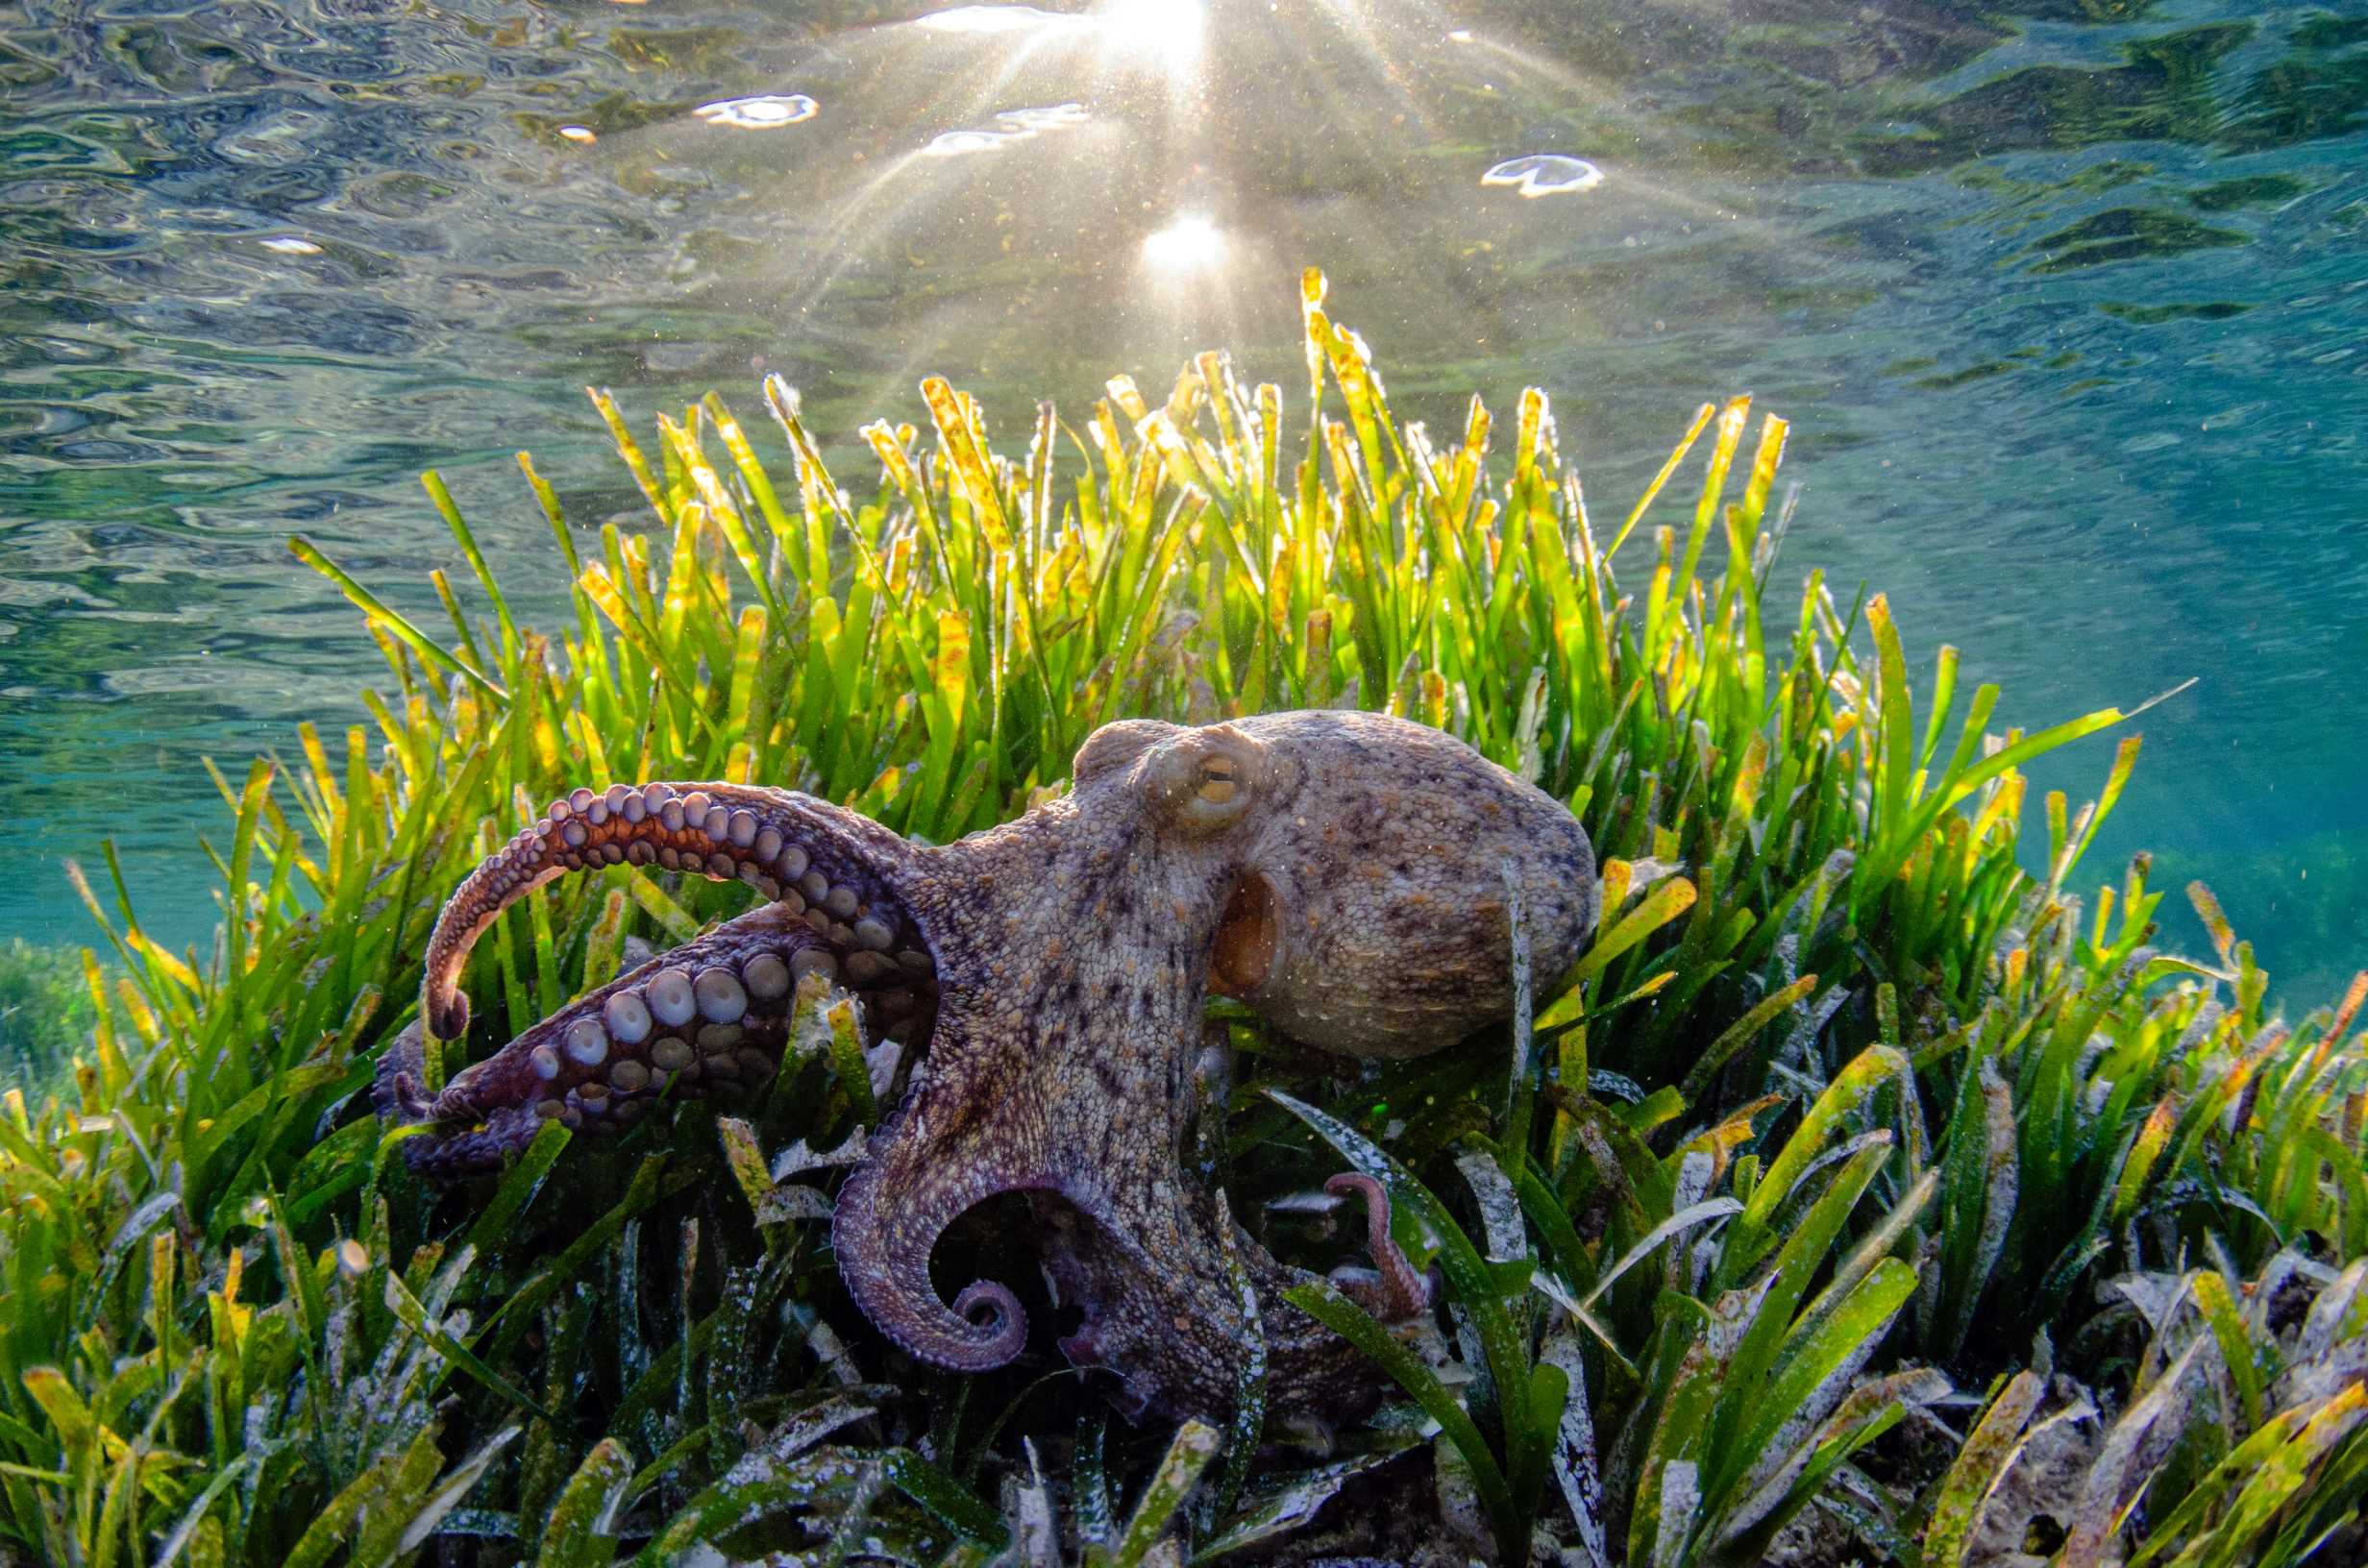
2068	301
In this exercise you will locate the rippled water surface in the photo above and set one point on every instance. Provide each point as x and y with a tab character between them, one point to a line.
2068	301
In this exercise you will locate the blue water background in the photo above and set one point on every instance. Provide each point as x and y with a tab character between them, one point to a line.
2068	302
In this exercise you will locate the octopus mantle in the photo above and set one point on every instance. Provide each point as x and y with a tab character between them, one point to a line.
1343	874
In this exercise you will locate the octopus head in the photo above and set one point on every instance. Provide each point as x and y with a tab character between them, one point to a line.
1371	864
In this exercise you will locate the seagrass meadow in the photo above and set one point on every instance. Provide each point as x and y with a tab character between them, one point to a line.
1874	1190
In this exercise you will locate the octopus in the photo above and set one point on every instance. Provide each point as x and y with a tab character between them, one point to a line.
1349	876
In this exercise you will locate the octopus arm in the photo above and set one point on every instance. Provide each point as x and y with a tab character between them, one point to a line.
791	847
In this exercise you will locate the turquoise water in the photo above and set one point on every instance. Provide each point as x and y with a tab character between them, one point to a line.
2068	301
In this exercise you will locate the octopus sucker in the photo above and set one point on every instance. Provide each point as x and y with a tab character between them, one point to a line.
1342	873
719	995
588	1043
627	1017
670	1001
766	977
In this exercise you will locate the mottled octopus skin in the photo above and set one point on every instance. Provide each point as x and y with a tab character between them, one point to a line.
1343	874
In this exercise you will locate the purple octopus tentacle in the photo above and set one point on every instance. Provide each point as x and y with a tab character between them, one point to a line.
403	1069
1396	1291
883	1253
810	855
712	1012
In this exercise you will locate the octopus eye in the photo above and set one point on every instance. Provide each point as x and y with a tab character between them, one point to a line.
1210	781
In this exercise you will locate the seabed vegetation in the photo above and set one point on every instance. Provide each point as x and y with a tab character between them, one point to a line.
1877	1190
44	1010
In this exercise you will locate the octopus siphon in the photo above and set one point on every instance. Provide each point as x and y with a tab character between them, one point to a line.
1343	874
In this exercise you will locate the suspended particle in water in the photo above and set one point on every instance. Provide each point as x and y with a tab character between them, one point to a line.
1544	174
766	111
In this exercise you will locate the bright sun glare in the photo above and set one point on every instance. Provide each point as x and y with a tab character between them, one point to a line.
1167	31
1191	243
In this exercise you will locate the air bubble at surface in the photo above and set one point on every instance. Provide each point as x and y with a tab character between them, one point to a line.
1049	117
767	112
992	19
955	143
1544	174
1010	125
